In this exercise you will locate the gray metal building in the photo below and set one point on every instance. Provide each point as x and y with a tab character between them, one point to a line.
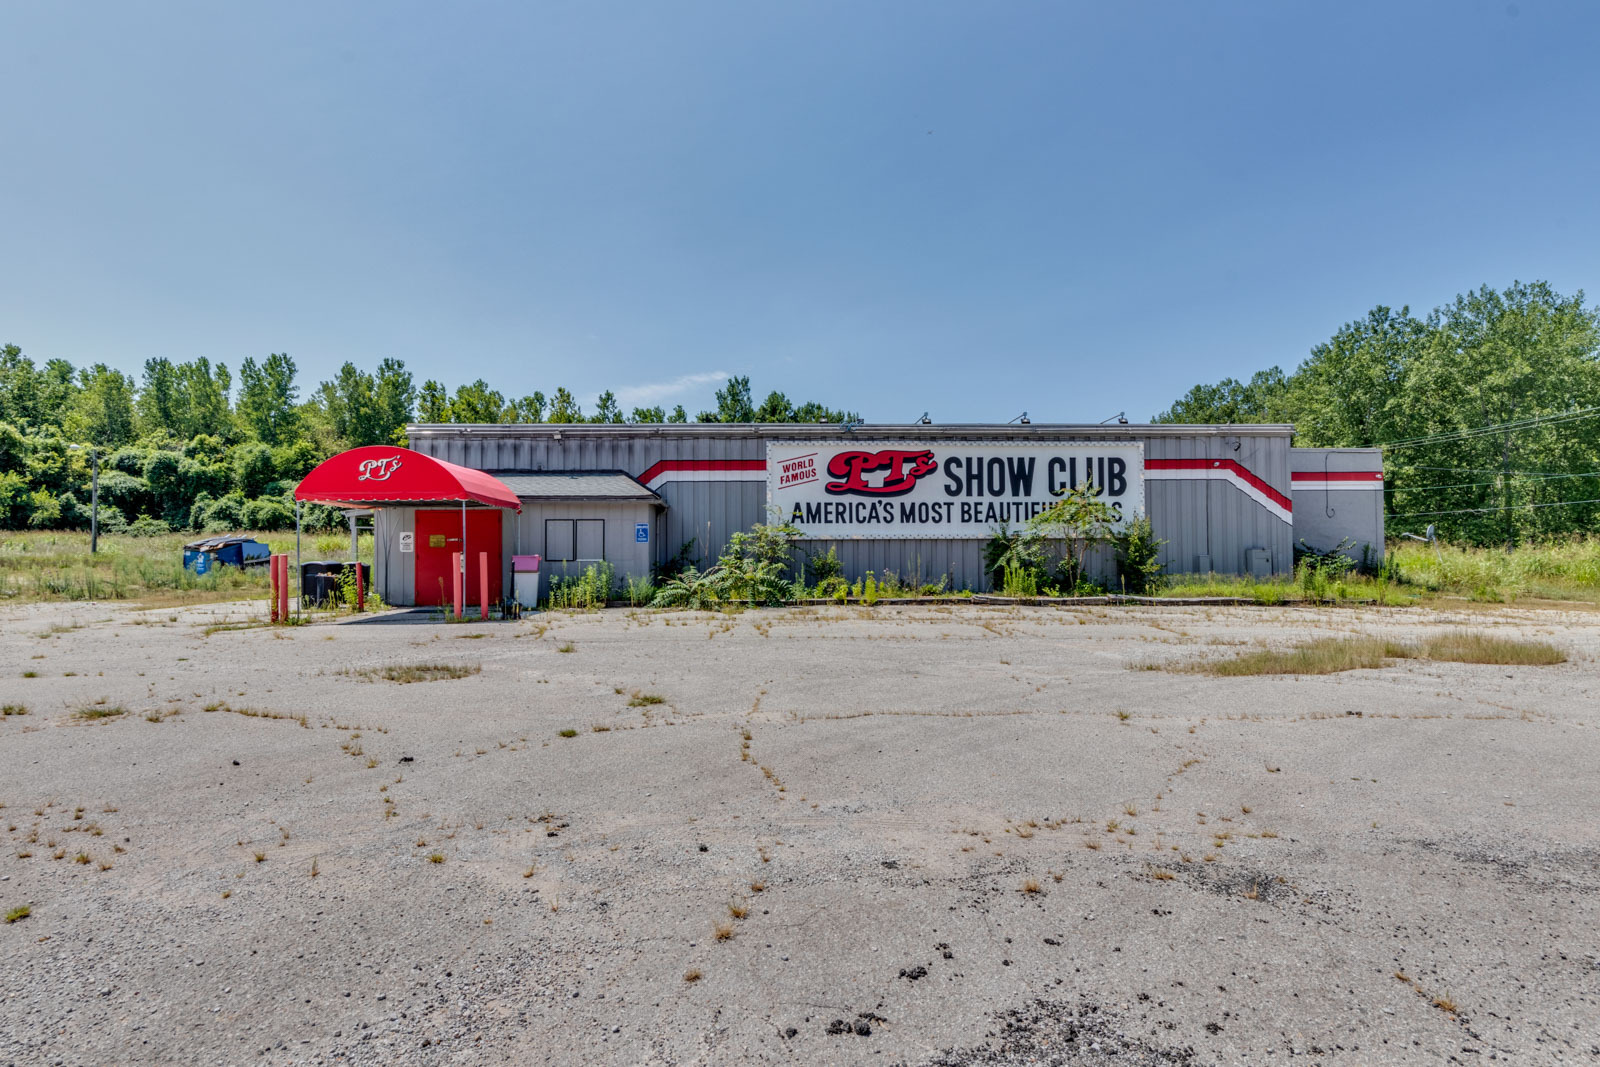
916	500
1338	496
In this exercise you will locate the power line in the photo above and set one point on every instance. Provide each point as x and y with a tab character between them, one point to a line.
1478	485
1497	470
1478	431
1484	511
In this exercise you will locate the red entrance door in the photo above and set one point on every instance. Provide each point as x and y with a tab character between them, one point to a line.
439	536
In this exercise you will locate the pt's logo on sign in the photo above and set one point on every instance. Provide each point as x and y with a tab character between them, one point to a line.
901	469
378	470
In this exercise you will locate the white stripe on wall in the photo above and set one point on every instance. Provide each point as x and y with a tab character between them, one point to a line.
1214	474
705	476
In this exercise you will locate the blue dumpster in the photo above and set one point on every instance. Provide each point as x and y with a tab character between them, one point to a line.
229	551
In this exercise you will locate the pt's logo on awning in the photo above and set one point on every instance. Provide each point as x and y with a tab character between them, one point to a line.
377	470
901	470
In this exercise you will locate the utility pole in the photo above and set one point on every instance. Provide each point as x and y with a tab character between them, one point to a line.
1505	487
94	500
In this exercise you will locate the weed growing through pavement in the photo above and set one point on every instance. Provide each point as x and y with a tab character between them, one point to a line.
722	931
100	709
738	909
261	857
436	857
18	913
414	672
569	732
1466	646
644	700
13	709
567	647
1441	1001
1031	886
1330	655
692	974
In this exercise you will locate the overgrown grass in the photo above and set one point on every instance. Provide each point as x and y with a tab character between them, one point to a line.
413	672
1326	656
100	710
1468	646
1564	570
56	565
1330	655
1555	570
1187	586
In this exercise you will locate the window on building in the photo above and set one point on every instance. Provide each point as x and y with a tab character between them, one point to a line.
591	537
572	540
560	540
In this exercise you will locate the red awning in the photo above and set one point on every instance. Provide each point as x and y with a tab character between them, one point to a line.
389	476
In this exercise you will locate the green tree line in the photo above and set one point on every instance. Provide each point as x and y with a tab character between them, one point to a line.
1487	408
187	446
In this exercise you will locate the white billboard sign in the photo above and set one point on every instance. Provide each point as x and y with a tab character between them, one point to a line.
942	489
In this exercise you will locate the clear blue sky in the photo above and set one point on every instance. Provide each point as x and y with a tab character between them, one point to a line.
969	208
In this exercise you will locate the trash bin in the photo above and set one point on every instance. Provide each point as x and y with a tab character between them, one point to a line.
229	551
322	581
525	580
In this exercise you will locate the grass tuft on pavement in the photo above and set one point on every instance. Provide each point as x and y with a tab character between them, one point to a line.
415	672
1467	646
1330	655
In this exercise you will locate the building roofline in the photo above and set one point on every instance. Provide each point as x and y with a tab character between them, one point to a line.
865	431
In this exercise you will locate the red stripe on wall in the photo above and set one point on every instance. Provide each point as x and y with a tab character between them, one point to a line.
667	465
1221	464
1337	476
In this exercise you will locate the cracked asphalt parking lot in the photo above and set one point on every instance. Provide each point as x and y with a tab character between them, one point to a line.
922	835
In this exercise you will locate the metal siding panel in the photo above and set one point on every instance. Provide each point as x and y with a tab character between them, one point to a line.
1192	516
396	572
1357	514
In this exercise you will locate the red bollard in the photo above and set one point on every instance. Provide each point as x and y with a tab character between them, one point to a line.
457	577
272	586
361	589
283	587
483	584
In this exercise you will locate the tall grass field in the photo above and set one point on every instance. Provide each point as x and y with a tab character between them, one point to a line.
56	565
47	565
1558	570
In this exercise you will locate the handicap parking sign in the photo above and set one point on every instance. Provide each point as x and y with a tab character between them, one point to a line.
641	533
